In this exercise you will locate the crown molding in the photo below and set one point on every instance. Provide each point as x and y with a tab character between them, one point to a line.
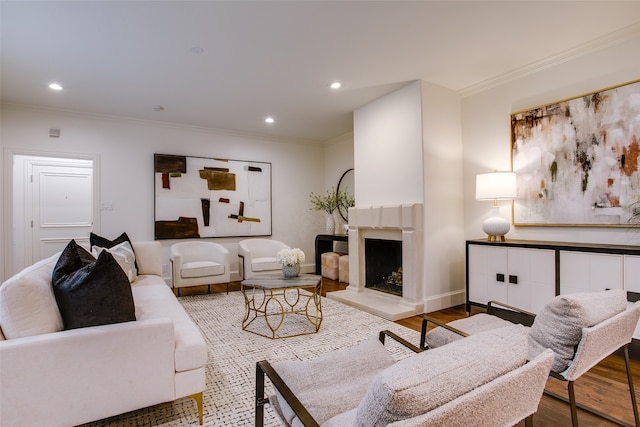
617	37
157	123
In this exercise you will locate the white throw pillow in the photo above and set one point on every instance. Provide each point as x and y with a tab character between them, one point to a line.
124	255
559	324
27	304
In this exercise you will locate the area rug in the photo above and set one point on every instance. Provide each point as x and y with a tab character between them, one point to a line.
233	353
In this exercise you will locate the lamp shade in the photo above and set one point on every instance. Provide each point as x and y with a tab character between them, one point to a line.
496	186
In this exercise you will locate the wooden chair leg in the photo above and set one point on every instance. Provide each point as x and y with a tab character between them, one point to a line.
572	405
528	422
632	392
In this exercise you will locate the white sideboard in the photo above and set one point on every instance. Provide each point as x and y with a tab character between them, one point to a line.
527	274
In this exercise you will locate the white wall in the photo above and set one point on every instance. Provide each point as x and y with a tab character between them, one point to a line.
126	147
486	133
388	149
444	251
338	158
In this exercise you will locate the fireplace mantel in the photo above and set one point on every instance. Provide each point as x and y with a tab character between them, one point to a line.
399	222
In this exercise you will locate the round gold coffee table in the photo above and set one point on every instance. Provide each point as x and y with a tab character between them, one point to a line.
283	306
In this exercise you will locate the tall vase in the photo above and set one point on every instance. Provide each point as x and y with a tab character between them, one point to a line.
291	270
330	225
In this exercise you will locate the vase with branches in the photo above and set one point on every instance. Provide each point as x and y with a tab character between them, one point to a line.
328	203
634	211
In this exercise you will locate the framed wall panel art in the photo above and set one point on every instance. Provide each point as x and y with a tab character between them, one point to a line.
197	197
576	160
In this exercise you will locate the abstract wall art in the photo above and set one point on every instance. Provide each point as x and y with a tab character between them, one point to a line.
576	160
198	197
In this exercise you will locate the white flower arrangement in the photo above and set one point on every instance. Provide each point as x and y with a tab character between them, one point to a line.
290	256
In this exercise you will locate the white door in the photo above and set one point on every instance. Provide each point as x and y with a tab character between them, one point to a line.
61	196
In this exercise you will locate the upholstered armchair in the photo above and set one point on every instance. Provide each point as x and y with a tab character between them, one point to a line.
582	329
484	381
259	256
199	263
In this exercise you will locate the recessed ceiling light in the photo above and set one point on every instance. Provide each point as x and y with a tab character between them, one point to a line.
55	86
335	85
269	120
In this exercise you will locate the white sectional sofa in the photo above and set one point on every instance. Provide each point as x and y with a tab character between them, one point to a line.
55	377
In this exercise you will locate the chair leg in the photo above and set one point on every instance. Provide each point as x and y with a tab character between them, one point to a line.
634	402
227	288
572	405
528	422
198	398
209	289
178	291
423	334
260	400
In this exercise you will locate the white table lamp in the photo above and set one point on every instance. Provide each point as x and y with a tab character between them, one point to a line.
496	186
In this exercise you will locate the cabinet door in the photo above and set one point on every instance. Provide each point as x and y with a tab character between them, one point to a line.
484	263
632	280
588	272
498	270
477	273
531	278
632	273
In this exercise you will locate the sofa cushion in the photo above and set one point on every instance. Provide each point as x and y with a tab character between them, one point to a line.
265	264
124	255
152	302
559	324
27	303
420	383
103	242
437	337
91	291
333	382
201	269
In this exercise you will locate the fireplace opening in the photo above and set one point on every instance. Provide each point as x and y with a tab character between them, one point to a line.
383	265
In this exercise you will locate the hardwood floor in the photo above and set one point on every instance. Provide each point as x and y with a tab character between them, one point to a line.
604	388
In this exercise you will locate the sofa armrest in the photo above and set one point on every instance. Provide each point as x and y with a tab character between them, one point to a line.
76	376
148	257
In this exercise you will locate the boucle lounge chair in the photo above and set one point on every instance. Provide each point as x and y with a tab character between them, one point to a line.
484	380
582	329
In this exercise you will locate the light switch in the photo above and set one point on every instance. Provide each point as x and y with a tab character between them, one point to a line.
106	205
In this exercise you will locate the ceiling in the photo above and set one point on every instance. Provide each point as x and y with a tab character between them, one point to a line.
230	64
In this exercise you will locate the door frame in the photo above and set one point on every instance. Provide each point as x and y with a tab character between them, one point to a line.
8	243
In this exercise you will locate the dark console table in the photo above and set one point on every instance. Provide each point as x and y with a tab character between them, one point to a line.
324	243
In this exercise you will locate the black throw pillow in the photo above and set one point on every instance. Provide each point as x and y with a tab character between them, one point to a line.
97	293
103	242
72	258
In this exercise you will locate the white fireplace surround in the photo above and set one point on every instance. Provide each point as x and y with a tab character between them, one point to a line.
397	222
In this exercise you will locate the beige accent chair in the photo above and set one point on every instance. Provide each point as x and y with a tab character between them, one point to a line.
259	256
199	263
483	381
582	329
